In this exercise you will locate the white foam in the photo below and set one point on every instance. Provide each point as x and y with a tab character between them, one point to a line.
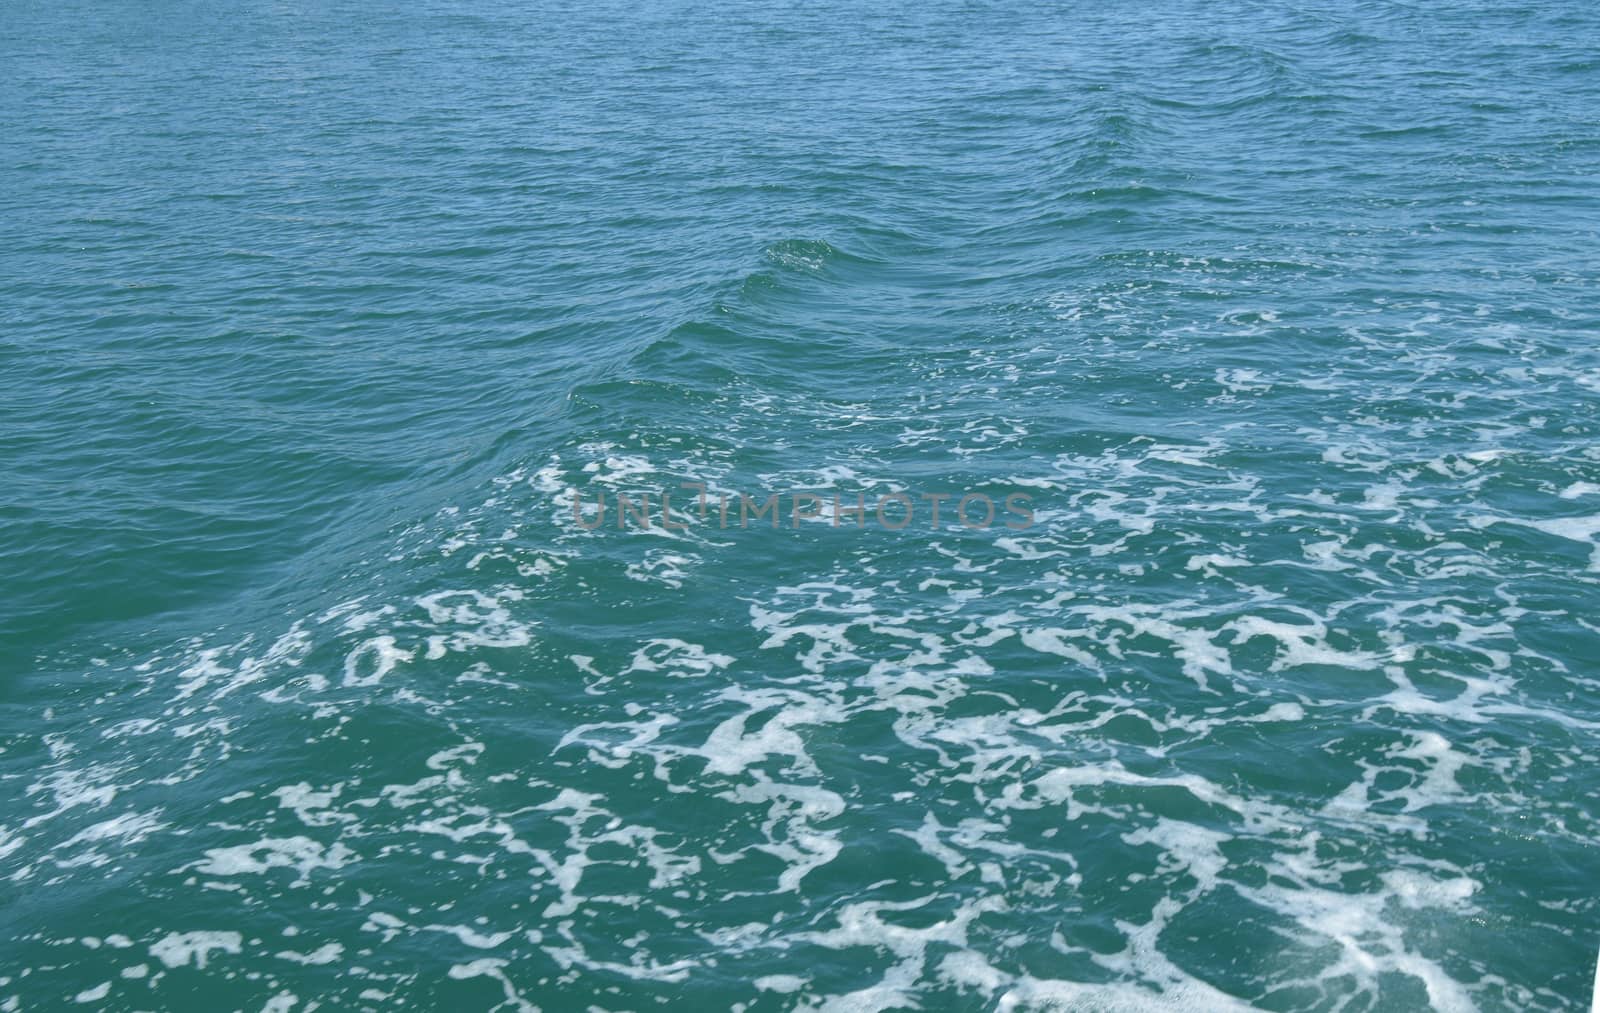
301	854
180	949
94	994
328	953
384	657
488	967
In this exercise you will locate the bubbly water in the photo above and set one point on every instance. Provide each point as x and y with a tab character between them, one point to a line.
317	319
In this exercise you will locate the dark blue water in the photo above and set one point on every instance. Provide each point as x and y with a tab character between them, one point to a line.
316	318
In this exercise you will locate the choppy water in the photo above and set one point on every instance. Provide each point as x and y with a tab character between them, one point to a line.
315	317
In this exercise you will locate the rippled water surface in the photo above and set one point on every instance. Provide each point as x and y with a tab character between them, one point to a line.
314	319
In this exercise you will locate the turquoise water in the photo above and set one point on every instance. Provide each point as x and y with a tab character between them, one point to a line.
316	318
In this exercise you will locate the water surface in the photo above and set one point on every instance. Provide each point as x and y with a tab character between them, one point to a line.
314	318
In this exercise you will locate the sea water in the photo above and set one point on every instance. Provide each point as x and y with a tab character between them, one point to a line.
327	329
